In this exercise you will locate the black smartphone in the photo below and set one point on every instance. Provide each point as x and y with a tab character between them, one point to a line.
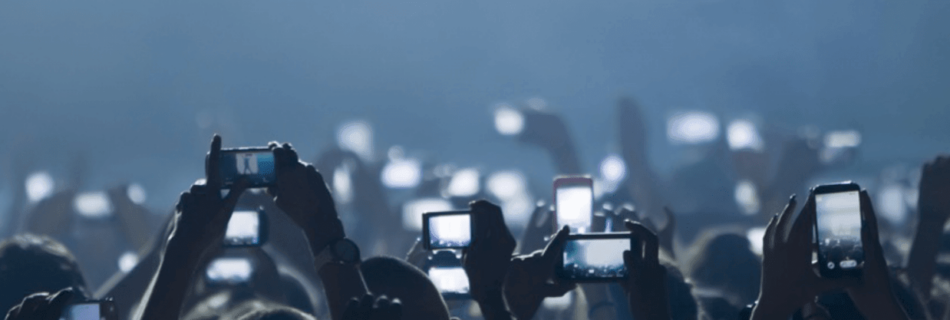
573	203
256	164
247	228
837	232
446	230
594	257
229	271
91	310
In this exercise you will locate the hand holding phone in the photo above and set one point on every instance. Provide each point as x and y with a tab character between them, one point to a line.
574	203
446	230
838	226
595	257
256	164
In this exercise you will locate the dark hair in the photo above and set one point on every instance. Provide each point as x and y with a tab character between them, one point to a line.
396	278
726	262
262	310
30	264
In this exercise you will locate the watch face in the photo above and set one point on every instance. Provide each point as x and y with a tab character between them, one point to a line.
346	251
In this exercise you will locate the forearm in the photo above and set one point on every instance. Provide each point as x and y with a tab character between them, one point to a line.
922	260
166	293
493	307
341	283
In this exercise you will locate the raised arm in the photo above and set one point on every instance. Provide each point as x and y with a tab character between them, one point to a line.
933	208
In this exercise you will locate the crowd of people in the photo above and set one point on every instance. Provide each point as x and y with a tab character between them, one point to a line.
693	256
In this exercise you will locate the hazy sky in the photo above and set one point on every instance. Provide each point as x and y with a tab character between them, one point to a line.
137	88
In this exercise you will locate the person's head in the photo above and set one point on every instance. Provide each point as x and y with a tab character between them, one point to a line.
31	264
396	278
726	262
251	309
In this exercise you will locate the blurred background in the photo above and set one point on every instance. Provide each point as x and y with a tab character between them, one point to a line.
100	93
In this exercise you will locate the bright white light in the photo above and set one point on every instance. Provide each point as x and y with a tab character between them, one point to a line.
449	280
892	205
39	185
604	253
506	184
747	197
412	211
692	127
518	209
356	136
464	183
127	261
451	228
342	186
93	204
842	139
136	193
559	303
613	169
754	235
508	121
402	173
574	207
229	270
243	228
742	134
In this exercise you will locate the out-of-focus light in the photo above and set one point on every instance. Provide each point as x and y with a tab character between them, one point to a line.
506	184
747	198
613	169
911	196
464	183
39	185
842	139
755	239
508	121
692	127
402	173
342	185
218	300
518	209
892	206
742	134
230	270
559	303
412	211
356	136
536	103
93	204
136	193
127	261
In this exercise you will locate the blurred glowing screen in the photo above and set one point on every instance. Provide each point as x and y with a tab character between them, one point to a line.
692	127
412	211
243	228
839	215
400	173
508	121
83	311
464	183
574	206
39	185
93	204
356	136
843	139
742	134
229	270
451	280
451	230
746	197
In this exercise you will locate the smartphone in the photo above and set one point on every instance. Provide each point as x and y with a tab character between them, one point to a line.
247	228
446	230
91	310
573	203
838	227
256	164
452	282
594	257
229	271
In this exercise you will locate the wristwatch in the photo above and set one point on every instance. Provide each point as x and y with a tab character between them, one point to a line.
341	251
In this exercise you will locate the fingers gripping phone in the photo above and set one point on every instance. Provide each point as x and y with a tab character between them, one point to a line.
257	164
91	310
446	230
595	257
838	227
247	228
573	203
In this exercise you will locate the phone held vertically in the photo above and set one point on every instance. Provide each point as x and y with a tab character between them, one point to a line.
247	228
837	230
256	164
594	257
573	203
446	230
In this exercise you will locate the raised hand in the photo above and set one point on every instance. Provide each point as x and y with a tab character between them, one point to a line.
531	278
646	283
486	261
788	278
41	306
301	192
933	206
369	308
873	295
